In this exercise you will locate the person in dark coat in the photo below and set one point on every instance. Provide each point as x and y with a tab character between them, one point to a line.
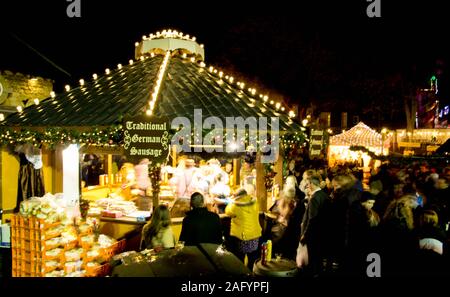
362	234
344	199
313	225
200	225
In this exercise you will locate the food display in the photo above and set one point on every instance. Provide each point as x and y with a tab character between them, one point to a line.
50	208
111	207
55	246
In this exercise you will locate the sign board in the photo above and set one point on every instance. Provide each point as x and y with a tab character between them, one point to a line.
317	132
146	137
315	152
409	144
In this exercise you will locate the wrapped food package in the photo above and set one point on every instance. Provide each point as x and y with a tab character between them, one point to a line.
72	266
53	254
53	243
87	240
49	266
105	241
80	273
74	255
55	273
53	232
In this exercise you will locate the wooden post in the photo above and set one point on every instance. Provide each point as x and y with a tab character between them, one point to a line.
236	172
261	192
278	167
174	156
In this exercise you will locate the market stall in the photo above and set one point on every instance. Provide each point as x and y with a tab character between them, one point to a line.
360	135
168	79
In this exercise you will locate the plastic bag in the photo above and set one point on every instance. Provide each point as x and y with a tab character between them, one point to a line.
302	256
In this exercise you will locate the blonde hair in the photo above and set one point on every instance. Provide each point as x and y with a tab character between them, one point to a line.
429	218
399	211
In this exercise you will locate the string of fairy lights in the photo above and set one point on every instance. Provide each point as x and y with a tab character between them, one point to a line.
113	135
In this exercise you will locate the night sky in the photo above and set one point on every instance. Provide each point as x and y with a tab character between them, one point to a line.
329	56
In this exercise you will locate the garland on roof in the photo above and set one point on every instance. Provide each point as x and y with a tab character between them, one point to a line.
110	136
51	137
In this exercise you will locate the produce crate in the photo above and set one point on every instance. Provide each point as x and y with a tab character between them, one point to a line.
98	271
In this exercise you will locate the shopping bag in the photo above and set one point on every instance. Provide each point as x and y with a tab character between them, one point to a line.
302	256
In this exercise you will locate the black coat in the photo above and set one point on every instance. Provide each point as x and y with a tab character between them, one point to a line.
201	226
314	219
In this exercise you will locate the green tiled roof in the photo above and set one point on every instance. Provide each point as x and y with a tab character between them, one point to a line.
186	86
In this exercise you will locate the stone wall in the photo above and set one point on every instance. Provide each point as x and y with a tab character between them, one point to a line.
16	88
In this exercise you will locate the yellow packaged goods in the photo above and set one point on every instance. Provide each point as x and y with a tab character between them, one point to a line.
73	255
87	241
85	229
53	232
80	273
50	266
105	241
95	253
48	208
92	268
53	254
52	243
55	273
73	266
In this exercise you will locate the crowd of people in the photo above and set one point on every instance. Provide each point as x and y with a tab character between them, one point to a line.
329	220
400	213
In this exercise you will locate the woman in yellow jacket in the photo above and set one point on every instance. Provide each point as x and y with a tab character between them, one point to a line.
245	229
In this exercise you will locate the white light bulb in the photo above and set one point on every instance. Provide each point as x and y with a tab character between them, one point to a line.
52	94
107	71
141	58
202	46
192	59
220	74
36	101
81	82
119	66
211	69
136	44
149	112
67	87
2	117
19	108
131	62
95	76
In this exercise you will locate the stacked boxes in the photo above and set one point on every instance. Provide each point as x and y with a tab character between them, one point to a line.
37	250
28	237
